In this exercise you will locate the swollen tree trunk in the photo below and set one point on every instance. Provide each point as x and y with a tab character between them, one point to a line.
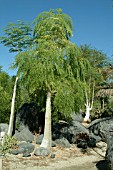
46	142
11	122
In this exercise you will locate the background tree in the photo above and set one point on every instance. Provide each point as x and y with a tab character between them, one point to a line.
17	38
98	60
105	91
5	96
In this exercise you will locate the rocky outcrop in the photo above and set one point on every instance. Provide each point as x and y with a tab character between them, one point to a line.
102	128
24	148
68	130
63	142
74	132
109	152
24	135
30	115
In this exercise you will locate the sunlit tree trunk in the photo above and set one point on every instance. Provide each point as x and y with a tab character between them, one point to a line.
89	105
11	122
46	142
88	109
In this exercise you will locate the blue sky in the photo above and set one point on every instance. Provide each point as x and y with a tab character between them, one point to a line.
92	19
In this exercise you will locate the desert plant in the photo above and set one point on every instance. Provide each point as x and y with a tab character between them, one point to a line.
7	144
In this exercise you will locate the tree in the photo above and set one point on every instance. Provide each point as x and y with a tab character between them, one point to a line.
98	61
18	38
96	57
49	66
5	95
105	90
89	101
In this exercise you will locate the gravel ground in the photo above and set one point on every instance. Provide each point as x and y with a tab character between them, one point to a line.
78	163
65	159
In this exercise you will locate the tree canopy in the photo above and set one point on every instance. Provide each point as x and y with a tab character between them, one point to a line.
17	36
54	63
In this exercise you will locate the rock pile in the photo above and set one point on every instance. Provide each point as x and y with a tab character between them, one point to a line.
65	134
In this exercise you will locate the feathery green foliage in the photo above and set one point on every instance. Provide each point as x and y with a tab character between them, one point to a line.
5	96
17	36
48	65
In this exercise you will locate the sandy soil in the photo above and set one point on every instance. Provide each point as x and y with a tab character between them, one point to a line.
65	159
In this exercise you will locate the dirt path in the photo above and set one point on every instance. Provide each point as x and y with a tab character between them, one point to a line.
91	162
65	159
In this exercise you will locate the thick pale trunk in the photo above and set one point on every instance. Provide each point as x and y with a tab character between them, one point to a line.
46	142
11	122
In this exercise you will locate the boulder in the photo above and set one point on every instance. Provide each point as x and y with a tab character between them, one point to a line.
14	152
63	142
77	117
24	147
101	148
21	127
53	144
42	152
39	139
102	128
26	154
21	150
74	129
59	130
109	152
24	135
95	137
68	130
4	127
30	115
91	142
82	140
52	155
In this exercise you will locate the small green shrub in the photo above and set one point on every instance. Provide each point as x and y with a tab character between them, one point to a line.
7	144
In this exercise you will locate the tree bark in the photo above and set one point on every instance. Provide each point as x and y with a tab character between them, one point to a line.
88	105
46	142
87	116
11	122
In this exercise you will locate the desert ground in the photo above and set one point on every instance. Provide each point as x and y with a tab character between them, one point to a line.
71	158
